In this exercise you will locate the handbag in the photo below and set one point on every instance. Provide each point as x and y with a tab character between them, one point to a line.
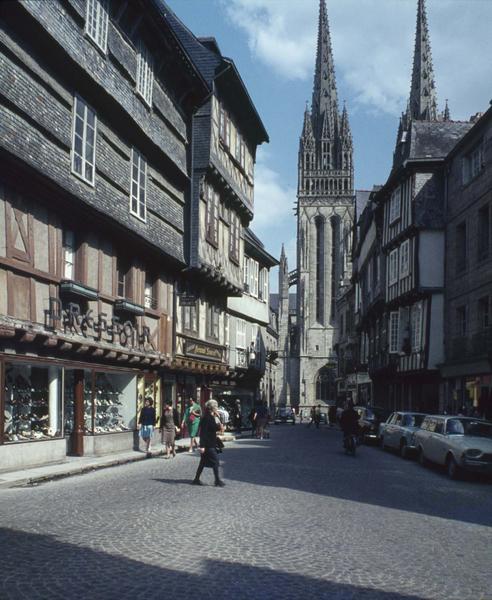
219	445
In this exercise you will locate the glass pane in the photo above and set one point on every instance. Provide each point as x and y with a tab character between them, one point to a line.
79	126
115	402
32	402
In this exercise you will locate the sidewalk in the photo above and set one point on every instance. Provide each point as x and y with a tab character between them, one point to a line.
76	466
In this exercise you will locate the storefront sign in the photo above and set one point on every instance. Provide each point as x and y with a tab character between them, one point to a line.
186	299
201	350
73	320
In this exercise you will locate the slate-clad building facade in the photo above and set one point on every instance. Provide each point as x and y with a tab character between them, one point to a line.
95	127
467	369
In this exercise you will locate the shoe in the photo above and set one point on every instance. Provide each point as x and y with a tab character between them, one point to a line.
149	454
174	454
196	482
219	483
190	451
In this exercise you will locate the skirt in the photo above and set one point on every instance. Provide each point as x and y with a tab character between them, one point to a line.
146	431
210	458
169	436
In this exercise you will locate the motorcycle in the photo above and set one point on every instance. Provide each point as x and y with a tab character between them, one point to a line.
350	443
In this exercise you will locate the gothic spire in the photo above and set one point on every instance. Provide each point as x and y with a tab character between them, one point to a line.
307	128
324	90
423	104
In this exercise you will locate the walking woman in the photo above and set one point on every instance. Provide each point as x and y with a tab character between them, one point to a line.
209	426
192	421
170	427
146	424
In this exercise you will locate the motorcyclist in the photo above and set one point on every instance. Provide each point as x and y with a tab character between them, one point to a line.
349	421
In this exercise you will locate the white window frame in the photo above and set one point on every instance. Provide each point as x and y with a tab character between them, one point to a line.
393	267
395	205
138	163
96	22
85	161
394	332
145	73
246	269
227	318
405	259
241	334
253	275
68	254
416	326
263	285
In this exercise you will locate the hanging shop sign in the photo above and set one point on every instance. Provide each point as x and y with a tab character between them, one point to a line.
201	350
72	319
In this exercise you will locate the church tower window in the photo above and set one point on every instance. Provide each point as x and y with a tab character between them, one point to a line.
320	269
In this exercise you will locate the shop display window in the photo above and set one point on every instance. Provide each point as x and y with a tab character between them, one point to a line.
32	402
69	400
149	386
115	398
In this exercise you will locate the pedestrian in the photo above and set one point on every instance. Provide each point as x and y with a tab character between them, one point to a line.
209	426
191	419
311	416
169	427
252	420
146	424
332	414
261	418
317	415
237	416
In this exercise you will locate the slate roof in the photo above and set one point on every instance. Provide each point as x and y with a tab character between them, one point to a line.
274	302
435	139
361	199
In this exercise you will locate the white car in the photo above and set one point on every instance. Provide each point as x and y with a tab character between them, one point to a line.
458	443
398	432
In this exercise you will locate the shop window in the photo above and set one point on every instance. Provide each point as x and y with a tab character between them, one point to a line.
69	401
32	402
114	402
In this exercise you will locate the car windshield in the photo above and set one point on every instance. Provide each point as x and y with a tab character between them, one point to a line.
469	427
413	420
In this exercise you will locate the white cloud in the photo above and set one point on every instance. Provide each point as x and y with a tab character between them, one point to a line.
373	46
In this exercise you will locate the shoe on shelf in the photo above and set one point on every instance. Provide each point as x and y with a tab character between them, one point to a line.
196	482
219	483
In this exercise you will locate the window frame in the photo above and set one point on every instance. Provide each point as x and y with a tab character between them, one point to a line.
473	163
94	10
72	249
140	159
484	232
193	318
235	238
87	107
404	267
395	206
213	322
394	332
416	327
145	74
393	266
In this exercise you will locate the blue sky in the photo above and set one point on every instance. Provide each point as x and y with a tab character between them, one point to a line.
273	43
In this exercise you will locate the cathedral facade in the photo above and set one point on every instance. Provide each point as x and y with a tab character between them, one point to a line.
325	219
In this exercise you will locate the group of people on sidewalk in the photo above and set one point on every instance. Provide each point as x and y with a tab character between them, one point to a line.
206	427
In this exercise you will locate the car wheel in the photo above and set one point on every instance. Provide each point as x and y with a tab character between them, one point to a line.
403	449
452	468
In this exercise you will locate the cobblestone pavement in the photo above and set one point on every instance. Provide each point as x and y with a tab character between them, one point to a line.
298	519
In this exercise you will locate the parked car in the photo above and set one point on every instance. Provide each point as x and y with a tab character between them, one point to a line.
285	415
398	432
458	443
369	420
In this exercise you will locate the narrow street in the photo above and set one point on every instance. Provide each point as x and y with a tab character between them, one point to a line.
297	519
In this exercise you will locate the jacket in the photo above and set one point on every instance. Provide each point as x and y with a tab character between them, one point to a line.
208	431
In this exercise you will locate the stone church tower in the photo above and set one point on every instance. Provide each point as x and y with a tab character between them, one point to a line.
325	217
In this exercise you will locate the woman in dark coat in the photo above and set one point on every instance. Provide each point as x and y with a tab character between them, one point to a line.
209	426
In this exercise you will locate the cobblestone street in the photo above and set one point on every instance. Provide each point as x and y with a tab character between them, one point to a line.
297	519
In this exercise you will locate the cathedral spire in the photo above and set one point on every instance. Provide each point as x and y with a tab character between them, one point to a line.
423	103
324	90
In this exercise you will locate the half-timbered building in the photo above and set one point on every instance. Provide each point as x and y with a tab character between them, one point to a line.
226	131
95	110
